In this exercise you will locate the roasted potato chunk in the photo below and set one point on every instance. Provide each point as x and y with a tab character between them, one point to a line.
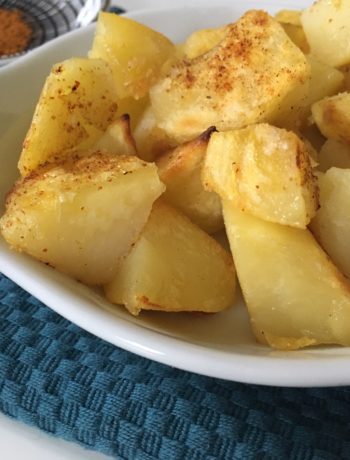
292	17
174	266
134	51
117	139
325	81
291	23
295	109
181	170
240	81
295	295
326	26
265	171
133	107
203	40
83	215
331	225
332	116
76	105
151	140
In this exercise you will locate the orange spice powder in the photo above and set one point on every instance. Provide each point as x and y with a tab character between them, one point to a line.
15	33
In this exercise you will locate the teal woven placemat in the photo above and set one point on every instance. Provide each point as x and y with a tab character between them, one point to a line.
65	381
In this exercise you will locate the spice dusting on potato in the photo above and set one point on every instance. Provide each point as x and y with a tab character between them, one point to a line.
82	215
240	81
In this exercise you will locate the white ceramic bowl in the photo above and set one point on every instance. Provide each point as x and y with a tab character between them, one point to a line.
218	345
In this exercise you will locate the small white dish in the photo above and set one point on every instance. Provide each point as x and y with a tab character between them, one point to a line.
218	345
49	19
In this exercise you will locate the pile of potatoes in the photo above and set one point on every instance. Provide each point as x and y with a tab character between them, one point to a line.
139	154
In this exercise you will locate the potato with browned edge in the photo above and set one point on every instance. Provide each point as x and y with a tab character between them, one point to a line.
118	138
181	172
82	215
151	140
265	171
241	81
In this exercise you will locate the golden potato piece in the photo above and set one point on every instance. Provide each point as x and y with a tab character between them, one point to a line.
325	80
331	225
291	23
265	171
292	111
332	116
326	26
134	51
76	105
83	215
203	40
174	266
181	170
297	35
335	154
292	17
295	295
117	139
239	82
295	108
151	140
133	107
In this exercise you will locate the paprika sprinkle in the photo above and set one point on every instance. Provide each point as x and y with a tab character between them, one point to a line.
15	33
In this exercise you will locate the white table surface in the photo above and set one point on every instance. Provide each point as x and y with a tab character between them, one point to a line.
19	441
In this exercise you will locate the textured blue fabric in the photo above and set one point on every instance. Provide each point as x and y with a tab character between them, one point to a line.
65	381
